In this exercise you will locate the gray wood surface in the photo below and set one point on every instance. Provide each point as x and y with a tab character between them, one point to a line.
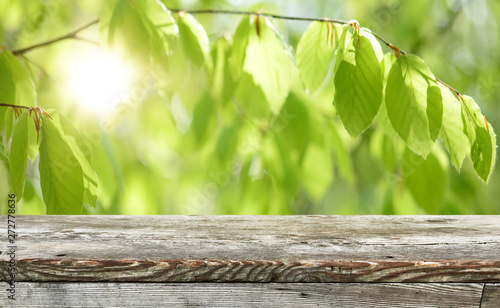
491	296
257	249
56	295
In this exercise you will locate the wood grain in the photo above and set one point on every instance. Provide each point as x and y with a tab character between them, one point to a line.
257	249
491	296
256	271
245	295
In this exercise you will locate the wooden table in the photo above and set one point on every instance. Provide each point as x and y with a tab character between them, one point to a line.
254	261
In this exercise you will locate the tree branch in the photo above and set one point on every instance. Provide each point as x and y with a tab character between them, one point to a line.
325	19
14	106
215	11
449	87
71	35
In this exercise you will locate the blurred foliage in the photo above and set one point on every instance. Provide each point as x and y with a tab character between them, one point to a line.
178	143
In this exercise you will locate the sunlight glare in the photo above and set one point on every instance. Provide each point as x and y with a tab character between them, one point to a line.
99	80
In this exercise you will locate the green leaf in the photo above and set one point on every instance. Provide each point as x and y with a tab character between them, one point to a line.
382	116
25	89
323	96
9	122
279	164
193	38
317	170
303	144
481	136
455	140
16	88
483	152
471	117
32	140
123	30
240	43
413	109
160	26
292	127
255	197
252	97
472	110
434	111
344	39
3	156
342	154
222	80
23	146
204	118
227	142
386	149
7	87
268	64
315	51
386	65
83	154
61	175
161	20
469	128
5	189
375	43
358	85
427	179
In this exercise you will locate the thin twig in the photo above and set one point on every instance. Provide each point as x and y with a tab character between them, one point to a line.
449	87
71	35
215	11
391	46
381	39
14	106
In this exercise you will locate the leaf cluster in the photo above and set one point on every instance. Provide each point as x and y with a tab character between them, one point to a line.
266	115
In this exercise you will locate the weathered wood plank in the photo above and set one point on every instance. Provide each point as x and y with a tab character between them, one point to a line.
260	237
256	271
491	296
257	248
246	295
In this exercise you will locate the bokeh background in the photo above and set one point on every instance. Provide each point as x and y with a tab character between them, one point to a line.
150	162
